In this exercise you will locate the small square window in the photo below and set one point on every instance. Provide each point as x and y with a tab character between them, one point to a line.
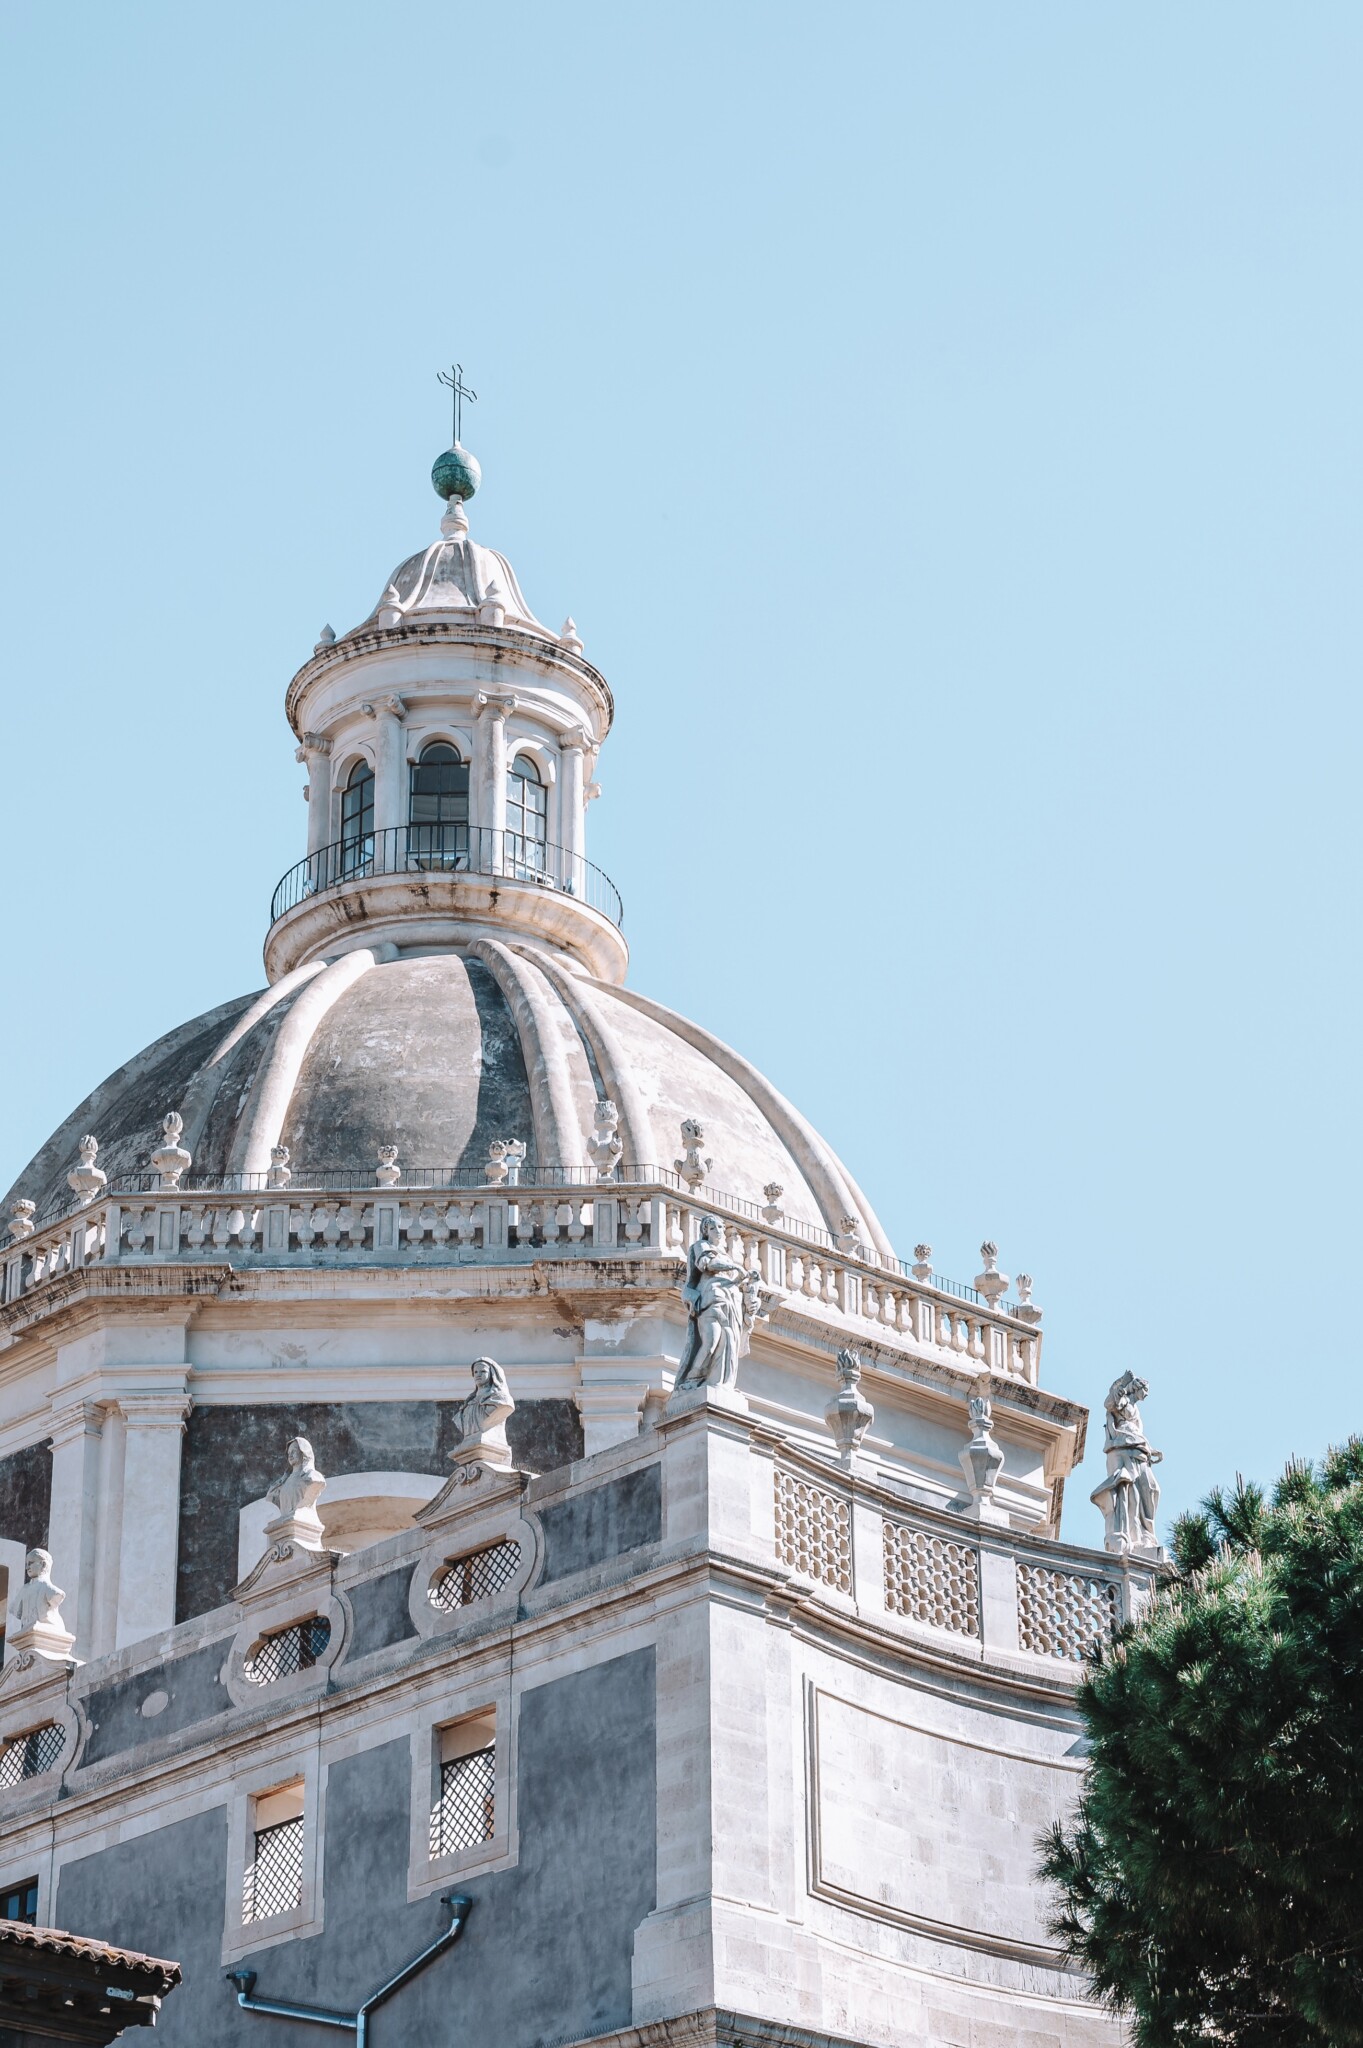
273	1883
20	1901
465	1813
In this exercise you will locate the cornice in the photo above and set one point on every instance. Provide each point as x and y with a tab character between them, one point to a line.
498	640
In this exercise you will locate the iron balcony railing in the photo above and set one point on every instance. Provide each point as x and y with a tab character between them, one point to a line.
448	850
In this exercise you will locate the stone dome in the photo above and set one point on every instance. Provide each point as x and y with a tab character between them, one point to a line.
455	574
439	1055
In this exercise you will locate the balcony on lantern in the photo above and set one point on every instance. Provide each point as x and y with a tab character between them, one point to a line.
437	883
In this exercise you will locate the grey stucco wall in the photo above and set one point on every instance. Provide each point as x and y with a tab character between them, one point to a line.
231	1455
602	1522
547	1951
194	1692
26	1494
381	1613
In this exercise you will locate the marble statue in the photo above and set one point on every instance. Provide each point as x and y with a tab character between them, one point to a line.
723	1299
481	1417
1129	1495
37	1603
296	1496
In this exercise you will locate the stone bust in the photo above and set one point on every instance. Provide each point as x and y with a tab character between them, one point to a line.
37	1602
298	1492
481	1416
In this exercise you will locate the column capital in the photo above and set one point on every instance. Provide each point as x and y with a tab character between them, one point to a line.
575	740
496	707
76	1419
155	1408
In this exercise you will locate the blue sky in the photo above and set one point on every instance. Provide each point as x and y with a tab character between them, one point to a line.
943	422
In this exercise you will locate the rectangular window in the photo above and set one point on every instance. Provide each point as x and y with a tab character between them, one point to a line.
20	1902
465	1812
274	1876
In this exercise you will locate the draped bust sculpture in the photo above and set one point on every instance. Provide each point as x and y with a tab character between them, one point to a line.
481	1416
34	1608
1129	1495
722	1302
296	1496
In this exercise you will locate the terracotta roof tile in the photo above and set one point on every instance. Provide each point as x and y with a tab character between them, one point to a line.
55	1941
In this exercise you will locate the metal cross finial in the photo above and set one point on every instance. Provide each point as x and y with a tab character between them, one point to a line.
453	379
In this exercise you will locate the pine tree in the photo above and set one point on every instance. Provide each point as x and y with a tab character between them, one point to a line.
1211	1881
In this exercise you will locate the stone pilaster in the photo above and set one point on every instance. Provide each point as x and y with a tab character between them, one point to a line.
390	773
154	1422
315	754
572	802
73	1523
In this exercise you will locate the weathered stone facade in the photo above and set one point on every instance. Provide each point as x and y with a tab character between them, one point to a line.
735	1710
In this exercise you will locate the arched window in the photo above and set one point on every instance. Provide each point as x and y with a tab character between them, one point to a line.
357	819
527	811
439	812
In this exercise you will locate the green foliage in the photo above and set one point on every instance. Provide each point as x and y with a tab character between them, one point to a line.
1211	1882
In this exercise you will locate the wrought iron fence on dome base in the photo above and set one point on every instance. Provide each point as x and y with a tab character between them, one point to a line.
451	850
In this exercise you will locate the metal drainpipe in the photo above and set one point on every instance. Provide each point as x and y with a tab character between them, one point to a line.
355	2023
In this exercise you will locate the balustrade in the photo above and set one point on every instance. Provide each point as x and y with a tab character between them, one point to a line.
562	1213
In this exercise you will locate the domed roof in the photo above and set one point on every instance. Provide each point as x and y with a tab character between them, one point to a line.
454	574
439	1055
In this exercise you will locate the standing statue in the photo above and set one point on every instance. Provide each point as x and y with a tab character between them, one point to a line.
481	1417
36	1604
296	1496
1129	1495
723	1300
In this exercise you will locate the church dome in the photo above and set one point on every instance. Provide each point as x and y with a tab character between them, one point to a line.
455	574
440	1055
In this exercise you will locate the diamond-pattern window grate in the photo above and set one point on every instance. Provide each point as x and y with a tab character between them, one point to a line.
930	1579
29	1754
813	1531
274	1880
465	1814
1064	1614
476	1576
292	1649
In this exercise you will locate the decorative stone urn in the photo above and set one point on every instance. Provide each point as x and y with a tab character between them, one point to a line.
849	1414
982	1461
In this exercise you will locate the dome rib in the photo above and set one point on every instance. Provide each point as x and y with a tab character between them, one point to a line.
636	1130
272	1090
836	1193
197	1101
538	1015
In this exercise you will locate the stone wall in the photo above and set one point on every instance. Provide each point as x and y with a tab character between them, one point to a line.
547	1949
231	1456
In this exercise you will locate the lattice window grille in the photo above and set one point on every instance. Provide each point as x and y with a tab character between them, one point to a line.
1065	1614
29	1754
274	1878
466	1811
291	1649
813	1531
475	1577
932	1580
